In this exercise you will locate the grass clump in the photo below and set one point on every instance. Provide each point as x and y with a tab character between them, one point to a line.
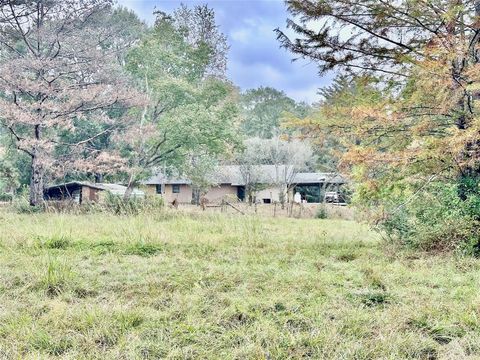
144	249
43	342
346	256
58	277
321	212
373	298
441	333
59	242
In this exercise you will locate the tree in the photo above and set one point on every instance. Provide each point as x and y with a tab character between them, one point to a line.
9	176
56	72
378	36
188	111
421	61
288	158
407	153
199	168
129	31
199	28
390	38
263	109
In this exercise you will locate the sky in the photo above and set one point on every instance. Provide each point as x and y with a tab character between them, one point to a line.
255	57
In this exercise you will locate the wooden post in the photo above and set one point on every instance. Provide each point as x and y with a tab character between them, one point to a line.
233	207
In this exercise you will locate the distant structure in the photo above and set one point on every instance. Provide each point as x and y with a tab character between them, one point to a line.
83	191
232	181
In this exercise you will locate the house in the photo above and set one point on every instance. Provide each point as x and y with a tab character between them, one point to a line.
83	191
170	188
268	181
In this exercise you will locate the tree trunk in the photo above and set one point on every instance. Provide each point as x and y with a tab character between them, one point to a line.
131	184
196	195
98	178
36	182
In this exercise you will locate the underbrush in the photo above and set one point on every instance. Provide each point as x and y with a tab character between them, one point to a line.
436	219
112	204
132	206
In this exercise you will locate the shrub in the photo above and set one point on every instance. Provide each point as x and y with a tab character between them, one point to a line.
437	219
321	212
21	205
6	197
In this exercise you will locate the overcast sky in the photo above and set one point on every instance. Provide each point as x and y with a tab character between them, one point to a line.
255	58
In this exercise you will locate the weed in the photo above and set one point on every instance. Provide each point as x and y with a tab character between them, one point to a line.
58	276
60	242
143	249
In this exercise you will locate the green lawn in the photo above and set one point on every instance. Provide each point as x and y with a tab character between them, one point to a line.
213	287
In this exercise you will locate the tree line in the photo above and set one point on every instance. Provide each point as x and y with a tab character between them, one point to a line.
89	91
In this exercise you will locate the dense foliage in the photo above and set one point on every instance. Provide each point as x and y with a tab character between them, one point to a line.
166	103
91	91
406	112
264	109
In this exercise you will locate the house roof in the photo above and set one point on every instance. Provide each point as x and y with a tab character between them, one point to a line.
238	175
313	178
75	183
161	178
115	189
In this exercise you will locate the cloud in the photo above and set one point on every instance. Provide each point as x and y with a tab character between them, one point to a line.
309	95
255	57
143	8
241	35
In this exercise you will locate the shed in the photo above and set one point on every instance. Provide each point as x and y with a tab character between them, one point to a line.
83	191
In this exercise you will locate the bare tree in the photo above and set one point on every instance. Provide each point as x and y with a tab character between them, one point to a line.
57	70
251	175
287	157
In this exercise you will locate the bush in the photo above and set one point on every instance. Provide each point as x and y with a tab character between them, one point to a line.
321	212
6	197
437	219
21	205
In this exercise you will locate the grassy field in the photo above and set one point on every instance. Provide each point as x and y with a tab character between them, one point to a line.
220	287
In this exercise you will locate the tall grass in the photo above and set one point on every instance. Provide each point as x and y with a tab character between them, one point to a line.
58	276
100	286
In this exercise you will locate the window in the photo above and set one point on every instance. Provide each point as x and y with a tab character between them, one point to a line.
158	188
176	189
